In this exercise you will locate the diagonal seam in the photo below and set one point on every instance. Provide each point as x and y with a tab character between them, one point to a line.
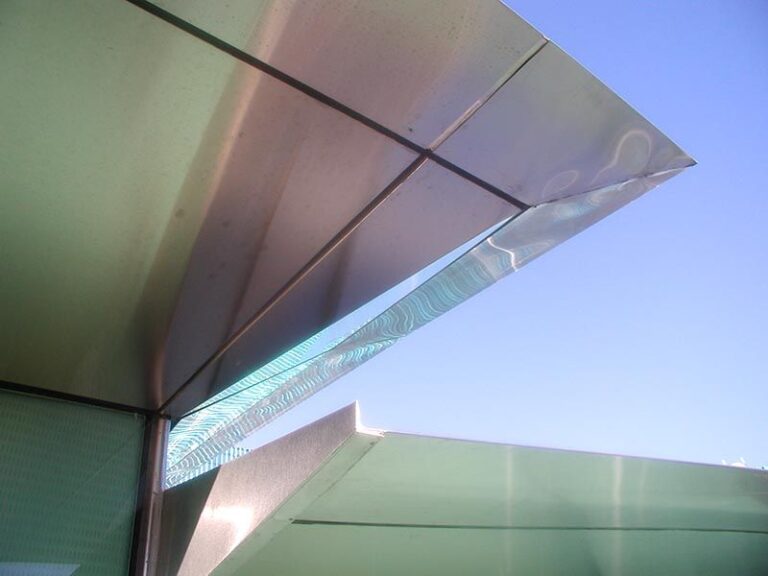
480	102
208	403
315	94
319	256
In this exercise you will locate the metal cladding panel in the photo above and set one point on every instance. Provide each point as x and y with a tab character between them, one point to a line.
554	130
398	503
423	481
206	519
426	506
414	67
432	212
295	173
176	212
193	178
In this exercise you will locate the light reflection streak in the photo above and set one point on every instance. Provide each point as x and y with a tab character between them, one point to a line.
239	518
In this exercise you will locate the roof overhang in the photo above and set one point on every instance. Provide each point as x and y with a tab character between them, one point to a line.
193	190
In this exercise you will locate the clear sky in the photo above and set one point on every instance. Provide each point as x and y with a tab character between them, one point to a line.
645	334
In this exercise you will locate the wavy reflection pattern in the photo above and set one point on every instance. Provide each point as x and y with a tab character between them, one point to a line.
188	441
228	418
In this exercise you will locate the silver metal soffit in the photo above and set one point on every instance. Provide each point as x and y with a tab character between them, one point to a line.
190	190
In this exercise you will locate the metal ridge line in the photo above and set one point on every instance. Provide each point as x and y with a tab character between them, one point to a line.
319	96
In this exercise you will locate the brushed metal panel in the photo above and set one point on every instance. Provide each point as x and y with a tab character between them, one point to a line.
144	174
554	130
206	518
294	174
414	67
156	191
429	214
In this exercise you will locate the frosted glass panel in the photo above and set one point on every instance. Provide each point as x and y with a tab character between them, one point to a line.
68	480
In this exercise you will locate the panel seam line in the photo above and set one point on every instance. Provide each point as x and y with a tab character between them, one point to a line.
312	522
480	102
315	94
319	256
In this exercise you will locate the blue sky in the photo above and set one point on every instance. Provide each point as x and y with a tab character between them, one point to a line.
646	334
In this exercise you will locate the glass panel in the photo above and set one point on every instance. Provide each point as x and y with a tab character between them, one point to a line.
415	67
256	400
554	130
68	481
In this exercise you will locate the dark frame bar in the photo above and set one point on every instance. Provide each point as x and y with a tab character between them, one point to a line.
66	396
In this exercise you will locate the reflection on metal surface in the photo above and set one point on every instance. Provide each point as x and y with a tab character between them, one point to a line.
203	523
349	498
189	237
554	130
257	399
149	498
414	67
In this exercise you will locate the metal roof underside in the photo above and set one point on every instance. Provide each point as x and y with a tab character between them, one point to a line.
334	499
191	190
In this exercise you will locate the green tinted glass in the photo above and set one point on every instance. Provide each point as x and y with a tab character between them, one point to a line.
68	479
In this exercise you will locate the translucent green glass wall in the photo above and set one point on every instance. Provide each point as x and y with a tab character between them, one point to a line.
68	481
